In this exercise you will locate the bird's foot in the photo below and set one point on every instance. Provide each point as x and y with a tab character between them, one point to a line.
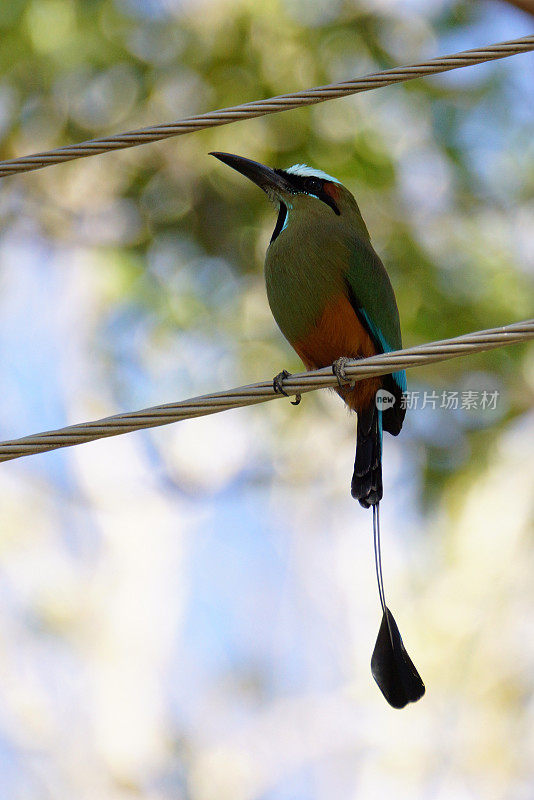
338	369
279	389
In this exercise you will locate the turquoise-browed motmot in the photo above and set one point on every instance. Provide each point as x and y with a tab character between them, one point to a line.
332	299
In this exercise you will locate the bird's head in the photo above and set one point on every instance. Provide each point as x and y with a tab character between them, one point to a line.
299	192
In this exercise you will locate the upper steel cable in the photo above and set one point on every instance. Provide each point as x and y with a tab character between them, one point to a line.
259	108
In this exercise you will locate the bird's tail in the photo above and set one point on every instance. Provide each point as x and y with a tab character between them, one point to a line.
366	486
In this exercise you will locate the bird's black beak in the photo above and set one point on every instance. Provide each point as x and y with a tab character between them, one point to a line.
271	181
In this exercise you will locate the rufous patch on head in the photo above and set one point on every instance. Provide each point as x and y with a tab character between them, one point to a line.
332	190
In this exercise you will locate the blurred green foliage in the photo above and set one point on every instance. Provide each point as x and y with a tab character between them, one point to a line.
442	169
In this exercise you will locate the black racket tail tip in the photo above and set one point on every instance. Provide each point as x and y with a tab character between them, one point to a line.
391	666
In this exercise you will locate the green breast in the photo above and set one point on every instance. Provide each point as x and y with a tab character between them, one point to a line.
304	269
318	256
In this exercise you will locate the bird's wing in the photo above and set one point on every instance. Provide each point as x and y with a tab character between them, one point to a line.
373	299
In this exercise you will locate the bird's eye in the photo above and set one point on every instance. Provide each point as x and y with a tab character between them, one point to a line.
314	185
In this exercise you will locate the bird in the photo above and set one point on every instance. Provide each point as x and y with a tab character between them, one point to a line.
332	299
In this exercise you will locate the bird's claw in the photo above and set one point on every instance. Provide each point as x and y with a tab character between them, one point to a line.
279	389
338	369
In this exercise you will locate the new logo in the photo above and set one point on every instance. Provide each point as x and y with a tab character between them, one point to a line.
384	399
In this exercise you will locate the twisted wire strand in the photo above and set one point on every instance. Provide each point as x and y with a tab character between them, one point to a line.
300	383
271	105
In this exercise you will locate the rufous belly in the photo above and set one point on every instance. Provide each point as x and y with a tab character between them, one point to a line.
338	332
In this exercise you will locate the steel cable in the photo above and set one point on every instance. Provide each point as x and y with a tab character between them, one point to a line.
300	383
271	105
